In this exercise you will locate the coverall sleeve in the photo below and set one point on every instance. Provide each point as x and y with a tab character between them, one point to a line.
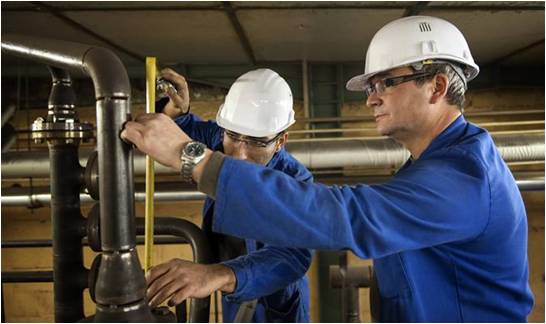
267	270
206	132
441	199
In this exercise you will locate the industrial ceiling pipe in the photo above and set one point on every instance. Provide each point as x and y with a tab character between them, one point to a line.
112	93
364	153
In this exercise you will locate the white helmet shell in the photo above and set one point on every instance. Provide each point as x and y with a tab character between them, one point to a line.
412	40
258	104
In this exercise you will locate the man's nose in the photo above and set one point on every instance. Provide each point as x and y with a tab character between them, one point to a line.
241	151
373	100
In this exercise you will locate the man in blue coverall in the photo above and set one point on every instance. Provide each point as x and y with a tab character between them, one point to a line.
250	125
448	233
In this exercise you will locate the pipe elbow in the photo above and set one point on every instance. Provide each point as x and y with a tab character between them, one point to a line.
108	73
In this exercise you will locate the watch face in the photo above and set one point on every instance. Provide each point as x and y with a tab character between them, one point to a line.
194	149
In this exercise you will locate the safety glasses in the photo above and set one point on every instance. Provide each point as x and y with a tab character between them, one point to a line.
256	142
380	85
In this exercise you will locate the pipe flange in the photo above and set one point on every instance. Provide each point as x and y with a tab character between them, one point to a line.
68	129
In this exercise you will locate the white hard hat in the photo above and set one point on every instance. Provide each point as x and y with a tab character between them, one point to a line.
258	104
413	40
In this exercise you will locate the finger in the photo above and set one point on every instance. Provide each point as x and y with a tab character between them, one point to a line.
166	292
176	97
132	133
174	77
157	271
180	295
154	291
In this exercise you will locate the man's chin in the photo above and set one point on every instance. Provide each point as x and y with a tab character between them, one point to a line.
383	131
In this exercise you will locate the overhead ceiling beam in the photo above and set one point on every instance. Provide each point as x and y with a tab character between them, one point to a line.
57	13
239	30
106	7
416	9
516	52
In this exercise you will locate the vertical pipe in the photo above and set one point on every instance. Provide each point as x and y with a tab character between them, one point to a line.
116	185
67	221
121	286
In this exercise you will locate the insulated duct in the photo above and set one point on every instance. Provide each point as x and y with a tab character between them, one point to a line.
365	153
386	153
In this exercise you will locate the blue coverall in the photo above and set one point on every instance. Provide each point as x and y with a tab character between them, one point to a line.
448	233
275	276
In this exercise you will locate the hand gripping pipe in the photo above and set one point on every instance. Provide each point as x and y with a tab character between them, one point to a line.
199	307
116	187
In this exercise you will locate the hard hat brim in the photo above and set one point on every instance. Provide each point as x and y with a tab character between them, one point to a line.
357	83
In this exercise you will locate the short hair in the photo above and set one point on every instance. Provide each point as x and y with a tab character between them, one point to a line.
456	86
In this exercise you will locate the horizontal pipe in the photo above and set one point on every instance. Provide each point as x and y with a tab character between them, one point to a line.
373	129
27	276
108	73
47	243
386	153
315	153
468	115
40	196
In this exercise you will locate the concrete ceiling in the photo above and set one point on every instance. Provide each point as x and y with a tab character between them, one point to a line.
509	33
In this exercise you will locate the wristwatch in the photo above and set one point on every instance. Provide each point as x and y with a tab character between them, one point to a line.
191	155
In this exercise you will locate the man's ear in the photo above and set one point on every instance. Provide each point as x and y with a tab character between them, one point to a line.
441	84
281	141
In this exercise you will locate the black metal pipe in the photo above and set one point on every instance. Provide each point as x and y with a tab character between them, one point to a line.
67	224
112	93
202	253
48	243
62	99
350	279
27	276
117	228
66	219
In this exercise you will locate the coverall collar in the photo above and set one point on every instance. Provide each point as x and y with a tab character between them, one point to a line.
448	136
444	139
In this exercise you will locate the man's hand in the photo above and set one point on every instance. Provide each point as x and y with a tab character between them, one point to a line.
158	136
178	280
179	102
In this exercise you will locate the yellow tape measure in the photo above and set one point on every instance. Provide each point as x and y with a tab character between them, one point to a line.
151	72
